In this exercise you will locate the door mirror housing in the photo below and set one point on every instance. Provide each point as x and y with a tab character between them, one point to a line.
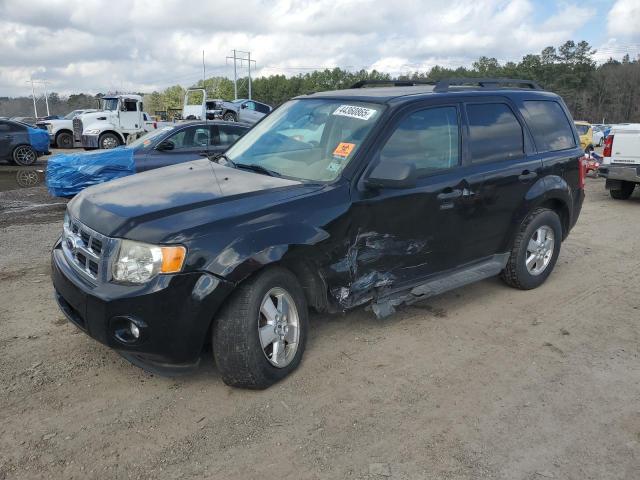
166	145
389	174
244	105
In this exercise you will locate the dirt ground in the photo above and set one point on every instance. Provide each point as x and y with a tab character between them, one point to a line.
482	382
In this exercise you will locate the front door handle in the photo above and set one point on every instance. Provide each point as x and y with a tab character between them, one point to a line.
450	194
527	175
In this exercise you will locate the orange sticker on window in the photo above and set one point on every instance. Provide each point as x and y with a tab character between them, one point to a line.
344	149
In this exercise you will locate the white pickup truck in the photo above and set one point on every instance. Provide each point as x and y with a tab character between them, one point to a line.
621	165
61	130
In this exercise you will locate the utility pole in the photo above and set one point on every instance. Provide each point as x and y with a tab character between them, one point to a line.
33	97
245	57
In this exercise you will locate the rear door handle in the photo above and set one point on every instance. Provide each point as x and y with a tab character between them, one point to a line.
449	194
527	175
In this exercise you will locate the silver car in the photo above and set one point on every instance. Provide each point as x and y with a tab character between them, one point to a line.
243	110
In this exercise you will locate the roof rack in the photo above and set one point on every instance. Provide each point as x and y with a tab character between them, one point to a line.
395	83
445	84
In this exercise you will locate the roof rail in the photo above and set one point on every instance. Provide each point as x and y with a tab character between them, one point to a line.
395	83
445	84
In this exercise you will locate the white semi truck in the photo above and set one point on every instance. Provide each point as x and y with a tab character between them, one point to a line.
120	121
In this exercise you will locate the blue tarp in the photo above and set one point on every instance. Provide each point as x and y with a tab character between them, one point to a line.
69	174
39	139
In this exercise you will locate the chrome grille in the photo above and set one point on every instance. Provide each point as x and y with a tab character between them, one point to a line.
77	129
86	250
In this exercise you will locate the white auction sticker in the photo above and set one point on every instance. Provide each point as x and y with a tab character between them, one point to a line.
354	111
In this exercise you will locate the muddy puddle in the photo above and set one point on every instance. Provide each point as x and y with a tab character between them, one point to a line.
23	178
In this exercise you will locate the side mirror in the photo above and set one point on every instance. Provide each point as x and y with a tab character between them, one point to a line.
389	174
165	146
244	105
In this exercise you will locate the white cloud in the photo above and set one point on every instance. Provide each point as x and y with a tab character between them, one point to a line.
623	19
141	45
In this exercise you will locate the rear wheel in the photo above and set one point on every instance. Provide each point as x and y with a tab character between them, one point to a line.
624	192
64	140
229	117
108	141
260	334
535	250
24	155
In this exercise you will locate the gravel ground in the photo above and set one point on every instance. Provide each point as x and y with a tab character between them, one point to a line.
481	382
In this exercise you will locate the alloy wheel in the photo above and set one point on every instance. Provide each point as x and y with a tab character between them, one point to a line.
279	327
25	155
540	250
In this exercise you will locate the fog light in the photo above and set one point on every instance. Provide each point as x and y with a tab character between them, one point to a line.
135	331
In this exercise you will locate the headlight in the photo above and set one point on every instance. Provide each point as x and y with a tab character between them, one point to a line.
92	131
140	262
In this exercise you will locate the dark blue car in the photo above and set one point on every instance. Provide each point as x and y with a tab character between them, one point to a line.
68	174
22	144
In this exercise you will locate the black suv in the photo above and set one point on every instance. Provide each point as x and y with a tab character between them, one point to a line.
366	196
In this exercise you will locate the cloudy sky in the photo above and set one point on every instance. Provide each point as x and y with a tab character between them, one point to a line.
144	45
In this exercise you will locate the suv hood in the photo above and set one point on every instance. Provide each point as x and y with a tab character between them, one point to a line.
161	206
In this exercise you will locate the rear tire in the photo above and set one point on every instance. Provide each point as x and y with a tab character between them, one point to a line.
242	331
108	141
229	117
64	140
24	155
535	250
624	192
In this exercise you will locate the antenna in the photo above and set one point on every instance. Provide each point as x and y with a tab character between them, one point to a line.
204	88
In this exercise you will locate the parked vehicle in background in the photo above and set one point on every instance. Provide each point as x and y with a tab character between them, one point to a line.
586	135
120	120
393	204
21	143
598	136
243	110
68	174
61	130
27	120
621	165
49	117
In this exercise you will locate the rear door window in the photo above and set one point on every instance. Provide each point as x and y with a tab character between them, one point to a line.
549	125
494	133
427	138
229	133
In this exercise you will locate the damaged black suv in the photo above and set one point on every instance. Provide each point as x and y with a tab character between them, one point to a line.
366	196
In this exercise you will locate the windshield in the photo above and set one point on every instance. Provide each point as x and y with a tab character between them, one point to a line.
149	139
110	104
307	139
582	129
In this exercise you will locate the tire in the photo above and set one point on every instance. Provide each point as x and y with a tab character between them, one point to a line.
624	192
237	347
24	155
64	140
108	141
229	117
517	273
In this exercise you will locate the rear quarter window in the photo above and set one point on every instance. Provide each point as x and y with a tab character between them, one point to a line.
494	133
549	125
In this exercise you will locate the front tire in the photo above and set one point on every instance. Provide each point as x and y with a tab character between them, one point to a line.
260	334
24	155
535	250
108	141
624	192
64	140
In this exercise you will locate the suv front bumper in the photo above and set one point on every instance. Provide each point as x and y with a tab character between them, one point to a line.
174	313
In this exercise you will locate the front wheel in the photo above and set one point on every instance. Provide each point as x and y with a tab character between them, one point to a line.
64	140
108	141
535	250
624	192
260	334
24	155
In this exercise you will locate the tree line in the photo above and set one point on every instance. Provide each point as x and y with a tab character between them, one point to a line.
609	92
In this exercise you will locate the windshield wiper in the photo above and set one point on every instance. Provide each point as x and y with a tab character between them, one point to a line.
257	168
